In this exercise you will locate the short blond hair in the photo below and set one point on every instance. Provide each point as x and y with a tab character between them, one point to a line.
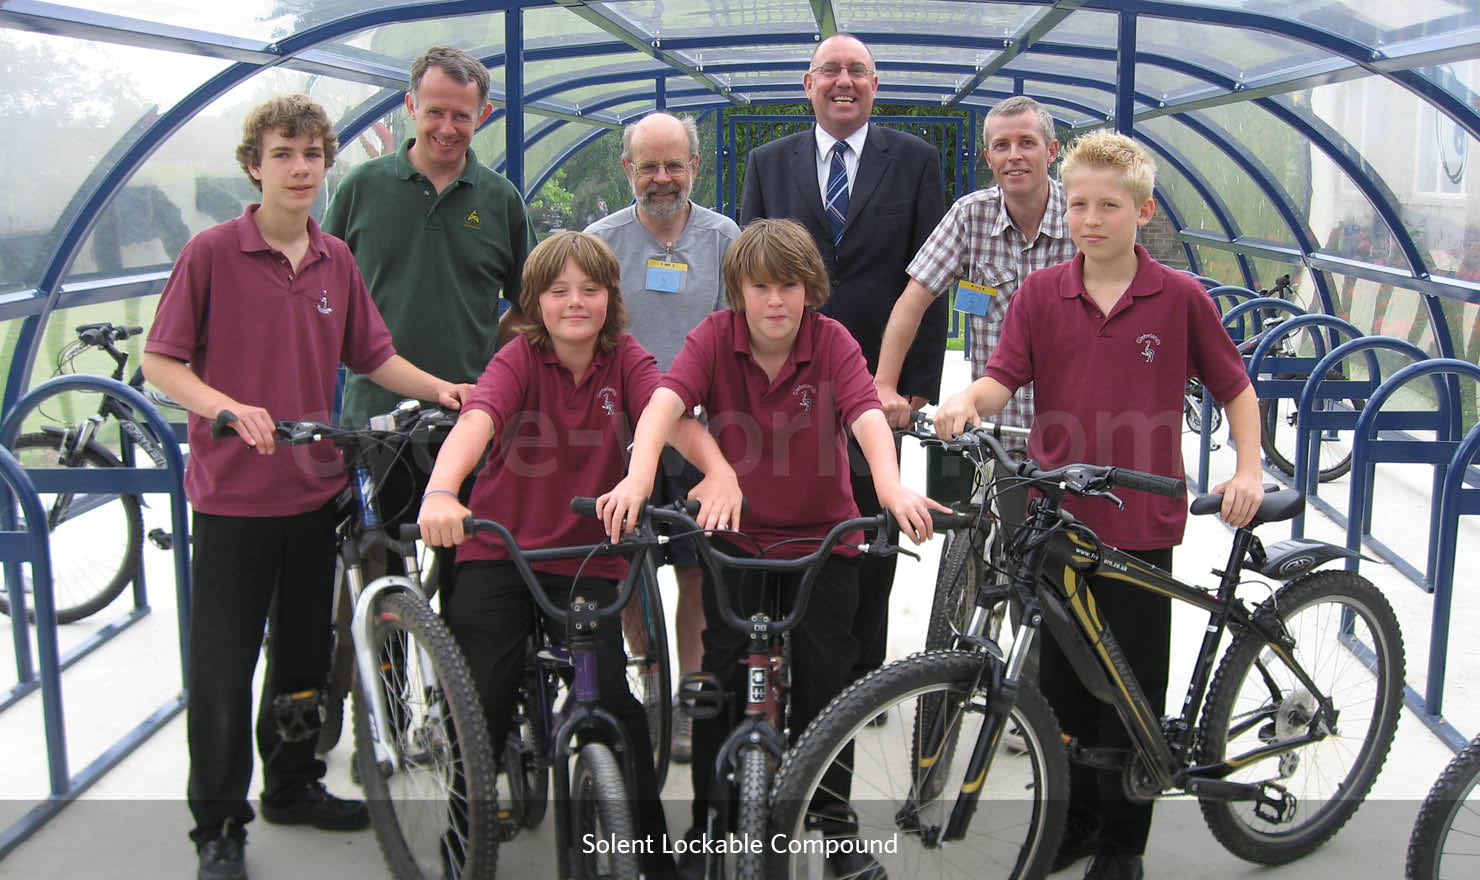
545	263
775	251
1104	148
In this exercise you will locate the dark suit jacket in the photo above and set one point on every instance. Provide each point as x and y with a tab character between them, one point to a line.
896	200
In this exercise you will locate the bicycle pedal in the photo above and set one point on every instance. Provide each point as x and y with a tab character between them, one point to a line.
161	539
506	826
1274	804
701	696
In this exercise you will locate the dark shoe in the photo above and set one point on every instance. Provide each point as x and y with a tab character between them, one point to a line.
221	859
314	806
690	866
856	866
1078	842
1114	866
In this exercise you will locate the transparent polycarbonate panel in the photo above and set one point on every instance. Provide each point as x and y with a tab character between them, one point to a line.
1159	237
1087	28
556	26
1239	52
1083	100
253	19
1247	202
946	17
540	76
1059	65
1384	310
1192	209
397	45
687	18
1367	21
1281	149
1426	160
1163	82
65	106
193	180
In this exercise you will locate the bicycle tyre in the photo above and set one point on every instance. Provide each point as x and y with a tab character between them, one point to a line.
103	558
525	766
956	585
341	678
1277	438
1453	798
754	807
1257	699
649	670
601	808
1016	828
446	765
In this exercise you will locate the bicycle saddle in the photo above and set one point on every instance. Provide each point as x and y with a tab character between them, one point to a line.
1279	505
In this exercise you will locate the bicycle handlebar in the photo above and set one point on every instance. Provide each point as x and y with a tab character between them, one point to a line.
103	335
1084	480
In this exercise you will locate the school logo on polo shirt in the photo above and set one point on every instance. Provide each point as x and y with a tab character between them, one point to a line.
804	394
473	221
1149	343
323	306
608	397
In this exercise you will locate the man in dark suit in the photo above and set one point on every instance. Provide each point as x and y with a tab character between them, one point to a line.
891	201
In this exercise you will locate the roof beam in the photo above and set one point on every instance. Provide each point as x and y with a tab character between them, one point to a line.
1019	42
827	22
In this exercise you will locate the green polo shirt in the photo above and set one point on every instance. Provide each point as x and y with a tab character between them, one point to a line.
434	262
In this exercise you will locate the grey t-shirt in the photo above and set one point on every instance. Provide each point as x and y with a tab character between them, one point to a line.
660	321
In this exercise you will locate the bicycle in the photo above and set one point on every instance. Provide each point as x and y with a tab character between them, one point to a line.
104	557
591	801
421	746
1442	844
1312	676
754	748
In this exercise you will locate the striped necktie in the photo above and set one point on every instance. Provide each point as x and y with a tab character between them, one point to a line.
837	192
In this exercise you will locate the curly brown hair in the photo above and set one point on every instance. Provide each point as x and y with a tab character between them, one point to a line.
545	263
291	115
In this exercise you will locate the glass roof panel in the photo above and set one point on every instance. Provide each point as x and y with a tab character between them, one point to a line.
1281	149
193	180
59	132
1239	52
1192	209
933	17
1423	157
1087	28
397	45
691	18
1365	21
265	20
1058	65
548	25
1163	82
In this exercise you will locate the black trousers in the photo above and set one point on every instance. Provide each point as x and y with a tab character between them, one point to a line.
1141	622
875	573
823	650
248	572
491	614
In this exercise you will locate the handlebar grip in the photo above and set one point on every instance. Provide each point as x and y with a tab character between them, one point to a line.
220	425
1171	487
408	532
944	522
126	332
583	506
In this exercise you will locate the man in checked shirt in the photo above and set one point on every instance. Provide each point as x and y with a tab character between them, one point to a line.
984	247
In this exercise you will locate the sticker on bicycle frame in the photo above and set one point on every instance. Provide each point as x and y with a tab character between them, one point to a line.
973	299
757	685
666	277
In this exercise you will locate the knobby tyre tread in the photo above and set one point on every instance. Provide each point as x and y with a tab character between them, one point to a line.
1016	828
526	766
754	808
1257	699
75	578
601	808
955	592
446	779
1436	819
341	679
649	670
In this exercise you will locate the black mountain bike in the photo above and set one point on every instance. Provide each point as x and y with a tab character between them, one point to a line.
1446	836
103	533
1293	728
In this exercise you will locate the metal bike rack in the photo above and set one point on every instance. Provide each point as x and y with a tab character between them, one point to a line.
45	673
1455	500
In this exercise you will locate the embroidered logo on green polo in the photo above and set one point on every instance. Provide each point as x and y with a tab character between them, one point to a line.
473	221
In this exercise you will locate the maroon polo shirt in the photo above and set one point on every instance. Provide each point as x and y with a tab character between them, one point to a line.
1109	389
556	438
787	439
253	329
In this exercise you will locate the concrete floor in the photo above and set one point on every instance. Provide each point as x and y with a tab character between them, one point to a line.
132	824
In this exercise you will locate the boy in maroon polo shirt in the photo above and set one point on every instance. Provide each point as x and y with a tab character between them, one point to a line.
255	319
1109	340
558	403
782	384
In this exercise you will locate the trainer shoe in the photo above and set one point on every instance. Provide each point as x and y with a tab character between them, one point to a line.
683	737
221	859
314	806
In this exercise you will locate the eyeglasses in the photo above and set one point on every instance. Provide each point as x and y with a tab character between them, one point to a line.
674	169
832	69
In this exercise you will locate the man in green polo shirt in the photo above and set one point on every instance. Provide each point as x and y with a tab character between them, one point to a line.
436	234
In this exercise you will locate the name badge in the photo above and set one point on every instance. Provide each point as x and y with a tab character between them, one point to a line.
666	277
973	299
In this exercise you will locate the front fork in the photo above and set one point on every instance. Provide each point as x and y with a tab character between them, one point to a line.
362	633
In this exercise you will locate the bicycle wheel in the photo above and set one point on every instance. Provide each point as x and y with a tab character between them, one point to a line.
526	768
1018	821
1277	418
756	766
601	810
1192	408
96	539
1443	841
341	678
1347	639
649	675
435	814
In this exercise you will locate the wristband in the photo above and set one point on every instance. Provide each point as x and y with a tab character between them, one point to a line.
432	492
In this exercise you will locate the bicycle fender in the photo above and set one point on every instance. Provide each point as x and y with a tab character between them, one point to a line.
1293	557
362	629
